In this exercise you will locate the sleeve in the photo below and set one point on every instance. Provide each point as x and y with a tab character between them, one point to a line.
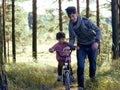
71	36
54	47
95	29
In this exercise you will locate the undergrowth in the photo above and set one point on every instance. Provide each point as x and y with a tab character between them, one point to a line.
33	76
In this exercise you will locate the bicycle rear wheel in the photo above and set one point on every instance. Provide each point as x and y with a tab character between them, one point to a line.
67	81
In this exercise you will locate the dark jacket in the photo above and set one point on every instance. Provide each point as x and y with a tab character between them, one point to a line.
85	31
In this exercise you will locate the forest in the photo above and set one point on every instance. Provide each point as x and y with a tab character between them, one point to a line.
28	29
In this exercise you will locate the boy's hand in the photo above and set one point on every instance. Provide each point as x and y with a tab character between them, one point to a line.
51	50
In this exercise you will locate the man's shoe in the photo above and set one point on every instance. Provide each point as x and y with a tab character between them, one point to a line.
80	88
59	78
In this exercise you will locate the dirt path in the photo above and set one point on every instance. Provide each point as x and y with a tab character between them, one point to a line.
62	87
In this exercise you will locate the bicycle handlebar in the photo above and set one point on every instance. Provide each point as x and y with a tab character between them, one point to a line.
63	56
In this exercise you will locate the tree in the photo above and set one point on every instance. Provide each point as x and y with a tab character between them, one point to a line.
78	6
97	17
118	10
87	8
115	46
34	41
60	16
3	80
13	32
4	35
1	43
119	24
97	12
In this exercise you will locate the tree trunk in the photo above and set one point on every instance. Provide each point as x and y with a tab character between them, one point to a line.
4	35
97	12
118	10
1	42
8	59
60	16
34	41
115	46
3	79
97	17
13	32
78	6
119	24
87	8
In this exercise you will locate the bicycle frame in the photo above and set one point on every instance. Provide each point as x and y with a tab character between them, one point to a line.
66	73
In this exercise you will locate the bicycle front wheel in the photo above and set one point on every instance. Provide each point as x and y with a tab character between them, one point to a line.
67	81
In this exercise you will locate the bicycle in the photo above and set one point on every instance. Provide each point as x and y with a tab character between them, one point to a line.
66	72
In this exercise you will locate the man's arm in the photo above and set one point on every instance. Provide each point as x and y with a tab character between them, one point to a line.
96	29
71	36
97	32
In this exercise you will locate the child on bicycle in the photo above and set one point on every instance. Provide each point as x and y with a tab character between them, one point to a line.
59	47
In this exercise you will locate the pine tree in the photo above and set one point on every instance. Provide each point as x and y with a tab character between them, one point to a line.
34	41
115	46
13	32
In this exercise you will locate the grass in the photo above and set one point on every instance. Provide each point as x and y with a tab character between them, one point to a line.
30	76
42	76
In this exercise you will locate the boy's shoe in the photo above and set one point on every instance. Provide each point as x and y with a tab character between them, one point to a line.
80	88
72	78
59	78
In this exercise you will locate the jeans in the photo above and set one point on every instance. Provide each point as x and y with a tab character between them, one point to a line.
85	50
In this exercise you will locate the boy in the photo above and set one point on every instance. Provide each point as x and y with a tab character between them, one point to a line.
58	47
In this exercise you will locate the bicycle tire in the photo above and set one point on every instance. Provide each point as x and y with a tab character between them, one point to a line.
67	81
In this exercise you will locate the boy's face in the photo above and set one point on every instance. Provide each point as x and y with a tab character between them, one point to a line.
61	40
73	17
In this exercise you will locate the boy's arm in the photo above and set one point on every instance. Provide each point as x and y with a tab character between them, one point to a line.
53	48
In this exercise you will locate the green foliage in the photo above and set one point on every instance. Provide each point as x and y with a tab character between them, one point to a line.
20	24
47	25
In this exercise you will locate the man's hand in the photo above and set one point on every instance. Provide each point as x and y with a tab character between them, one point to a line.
51	50
95	46
66	48
77	47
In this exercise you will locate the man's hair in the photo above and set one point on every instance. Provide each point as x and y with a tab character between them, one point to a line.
70	10
60	35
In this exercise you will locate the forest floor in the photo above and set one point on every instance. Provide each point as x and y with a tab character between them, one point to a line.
28	74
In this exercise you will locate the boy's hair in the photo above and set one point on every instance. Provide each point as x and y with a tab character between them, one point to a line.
70	10
60	35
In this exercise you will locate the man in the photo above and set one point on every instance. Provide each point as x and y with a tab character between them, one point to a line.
88	36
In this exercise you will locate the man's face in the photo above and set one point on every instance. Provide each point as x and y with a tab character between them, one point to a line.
73	17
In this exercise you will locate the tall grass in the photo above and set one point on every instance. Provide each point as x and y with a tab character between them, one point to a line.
33	76
30	76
